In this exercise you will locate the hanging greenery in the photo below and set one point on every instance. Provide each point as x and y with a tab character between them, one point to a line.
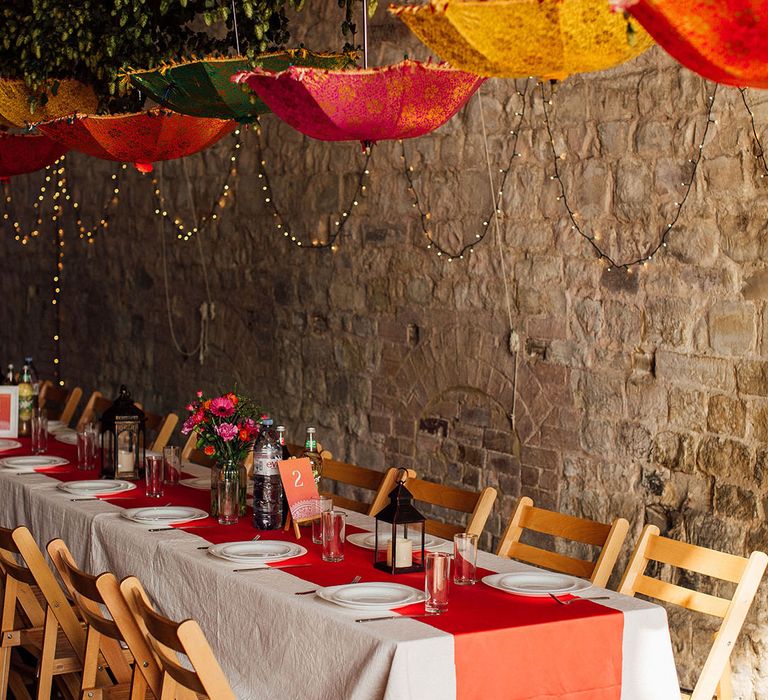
94	41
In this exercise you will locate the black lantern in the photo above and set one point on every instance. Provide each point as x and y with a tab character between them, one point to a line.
122	438
399	531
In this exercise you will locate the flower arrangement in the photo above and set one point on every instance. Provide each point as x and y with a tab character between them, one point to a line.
226	426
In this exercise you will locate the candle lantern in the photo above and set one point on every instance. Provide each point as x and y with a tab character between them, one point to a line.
122	438
400	534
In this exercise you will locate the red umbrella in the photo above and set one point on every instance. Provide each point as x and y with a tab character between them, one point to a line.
723	40
25	153
369	104
140	138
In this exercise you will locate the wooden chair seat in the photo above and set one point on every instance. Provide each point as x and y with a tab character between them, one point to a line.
608	539
746	573
477	504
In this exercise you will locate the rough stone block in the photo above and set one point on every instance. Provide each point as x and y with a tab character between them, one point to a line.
732	327
724	458
735	502
726	415
712	372
752	377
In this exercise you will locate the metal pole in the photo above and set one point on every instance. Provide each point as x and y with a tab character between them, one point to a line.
365	33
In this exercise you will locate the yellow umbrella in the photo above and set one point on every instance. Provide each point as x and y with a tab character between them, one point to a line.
71	96
548	39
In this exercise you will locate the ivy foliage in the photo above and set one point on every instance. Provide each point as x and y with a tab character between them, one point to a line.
94	41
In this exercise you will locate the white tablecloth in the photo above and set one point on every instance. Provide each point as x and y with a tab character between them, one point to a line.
273	644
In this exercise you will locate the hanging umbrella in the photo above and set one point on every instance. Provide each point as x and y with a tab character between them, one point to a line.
550	39
139	138
370	104
723	40
64	97
25	153
203	88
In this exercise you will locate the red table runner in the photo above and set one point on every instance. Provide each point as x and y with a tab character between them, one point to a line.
504	645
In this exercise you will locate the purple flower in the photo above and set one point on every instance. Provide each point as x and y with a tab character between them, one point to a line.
189	426
222	406
226	431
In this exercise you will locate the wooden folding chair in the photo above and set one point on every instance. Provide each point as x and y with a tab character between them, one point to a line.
96	405
67	401
134	670
162	426
167	639
608	538
477	503
715	677
37	616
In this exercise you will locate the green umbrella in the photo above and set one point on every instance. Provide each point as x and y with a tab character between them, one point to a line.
202	88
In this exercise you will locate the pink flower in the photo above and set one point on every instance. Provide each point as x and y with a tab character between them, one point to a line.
199	394
222	406
191	407
188	427
226	431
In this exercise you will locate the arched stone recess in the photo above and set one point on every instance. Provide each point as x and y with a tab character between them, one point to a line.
464	410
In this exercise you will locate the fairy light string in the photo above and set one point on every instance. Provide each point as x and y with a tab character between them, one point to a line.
280	222
10	214
88	233
667	228
759	151
425	215
185	232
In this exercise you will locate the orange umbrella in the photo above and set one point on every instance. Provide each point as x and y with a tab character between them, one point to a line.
141	138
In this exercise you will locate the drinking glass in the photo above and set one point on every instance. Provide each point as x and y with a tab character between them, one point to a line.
228	494
464	559
39	433
437	581
172	459
333	535
153	475
84	451
324	503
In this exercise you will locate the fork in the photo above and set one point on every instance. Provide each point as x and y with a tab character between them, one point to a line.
576	600
357	579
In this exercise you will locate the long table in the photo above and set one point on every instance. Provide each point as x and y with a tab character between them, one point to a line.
274	644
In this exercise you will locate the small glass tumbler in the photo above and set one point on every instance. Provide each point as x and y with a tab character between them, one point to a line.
39	433
153	475
437	581
85	455
228	495
464	559
333	535
172	459
325	503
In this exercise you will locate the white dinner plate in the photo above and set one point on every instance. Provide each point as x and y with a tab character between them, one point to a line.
97	487
67	436
54	426
367	540
260	551
373	597
198	482
9	445
31	462
536	583
166	515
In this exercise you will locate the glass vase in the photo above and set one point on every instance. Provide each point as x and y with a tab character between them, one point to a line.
231	465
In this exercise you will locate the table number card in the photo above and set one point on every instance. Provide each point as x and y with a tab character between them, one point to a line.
300	490
9	411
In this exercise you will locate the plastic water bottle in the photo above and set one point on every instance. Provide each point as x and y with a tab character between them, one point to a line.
267	487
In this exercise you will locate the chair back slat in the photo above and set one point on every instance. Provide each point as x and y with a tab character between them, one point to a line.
162	426
96	405
609	538
168	638
570	527
551	560
9	548
715	677
66	400
478	503
709	562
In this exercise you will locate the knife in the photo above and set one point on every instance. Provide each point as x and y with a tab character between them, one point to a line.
270	568
398	617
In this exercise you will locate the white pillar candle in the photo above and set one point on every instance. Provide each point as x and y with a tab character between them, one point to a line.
125	462
404	553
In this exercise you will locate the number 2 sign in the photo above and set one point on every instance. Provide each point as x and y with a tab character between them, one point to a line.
300	488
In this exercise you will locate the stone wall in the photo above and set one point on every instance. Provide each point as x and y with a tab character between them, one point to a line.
641	394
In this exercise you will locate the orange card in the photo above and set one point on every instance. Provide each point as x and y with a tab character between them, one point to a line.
300	488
